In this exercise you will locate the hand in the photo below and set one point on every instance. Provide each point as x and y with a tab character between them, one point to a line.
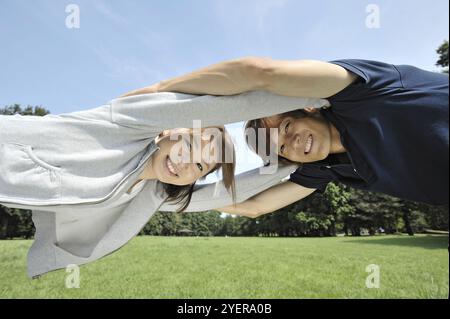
311	110
149	89
153	88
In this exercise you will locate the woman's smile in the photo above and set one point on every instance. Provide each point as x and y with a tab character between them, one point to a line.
170	167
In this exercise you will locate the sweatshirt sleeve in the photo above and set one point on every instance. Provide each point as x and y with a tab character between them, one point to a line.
248	184
166	110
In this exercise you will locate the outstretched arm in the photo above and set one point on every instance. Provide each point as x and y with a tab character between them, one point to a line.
310	78
270	200
296	78
224	78
248	184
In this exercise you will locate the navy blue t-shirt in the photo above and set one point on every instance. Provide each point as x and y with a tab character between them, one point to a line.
393	122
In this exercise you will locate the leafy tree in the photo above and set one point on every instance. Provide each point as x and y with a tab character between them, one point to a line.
443	56
201	223
162	224
227	226
338	201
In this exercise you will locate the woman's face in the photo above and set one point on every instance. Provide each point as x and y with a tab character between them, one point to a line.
305	139
184	159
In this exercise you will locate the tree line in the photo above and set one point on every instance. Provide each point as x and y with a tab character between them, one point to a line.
340	210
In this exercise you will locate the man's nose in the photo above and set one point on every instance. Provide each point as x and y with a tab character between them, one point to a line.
295	141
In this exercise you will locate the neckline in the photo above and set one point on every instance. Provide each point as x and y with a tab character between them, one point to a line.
135	186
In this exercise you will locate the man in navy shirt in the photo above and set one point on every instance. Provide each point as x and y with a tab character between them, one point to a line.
390	132
393	122
385	131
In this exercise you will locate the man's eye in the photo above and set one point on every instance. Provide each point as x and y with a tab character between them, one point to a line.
200	167
282	149
286	127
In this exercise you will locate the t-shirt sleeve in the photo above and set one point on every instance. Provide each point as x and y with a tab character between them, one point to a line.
310	175
373	78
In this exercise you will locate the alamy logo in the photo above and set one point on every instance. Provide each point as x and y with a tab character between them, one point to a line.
73	17
373	279
373	17
73	277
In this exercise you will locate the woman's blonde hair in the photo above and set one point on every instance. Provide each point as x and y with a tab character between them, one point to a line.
227	163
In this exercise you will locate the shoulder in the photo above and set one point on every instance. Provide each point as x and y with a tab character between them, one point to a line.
370	71
372	77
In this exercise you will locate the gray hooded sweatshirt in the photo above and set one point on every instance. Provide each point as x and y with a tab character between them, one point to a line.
73	170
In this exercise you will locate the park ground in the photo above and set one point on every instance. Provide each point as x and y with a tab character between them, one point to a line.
245	267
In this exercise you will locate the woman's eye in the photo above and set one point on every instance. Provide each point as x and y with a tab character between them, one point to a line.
189	145
282	149
200	167
286	127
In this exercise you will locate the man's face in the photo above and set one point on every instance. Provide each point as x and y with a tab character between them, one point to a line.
305	139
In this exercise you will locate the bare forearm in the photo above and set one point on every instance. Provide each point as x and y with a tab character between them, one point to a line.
245	208
270	200
224	78
280	196
305	78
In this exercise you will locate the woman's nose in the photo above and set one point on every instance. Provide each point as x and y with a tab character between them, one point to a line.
188	168
295	142
184	166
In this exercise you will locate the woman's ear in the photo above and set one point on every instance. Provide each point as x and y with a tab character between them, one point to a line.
311	109
164	133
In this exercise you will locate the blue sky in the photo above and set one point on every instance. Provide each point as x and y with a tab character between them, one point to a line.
123	45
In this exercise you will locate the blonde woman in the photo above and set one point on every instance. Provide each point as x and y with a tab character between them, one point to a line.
93	178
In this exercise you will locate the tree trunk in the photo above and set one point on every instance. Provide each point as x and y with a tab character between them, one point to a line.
4	217
333	228
345	228
408	227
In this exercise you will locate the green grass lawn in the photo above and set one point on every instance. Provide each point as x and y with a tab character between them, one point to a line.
218	267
